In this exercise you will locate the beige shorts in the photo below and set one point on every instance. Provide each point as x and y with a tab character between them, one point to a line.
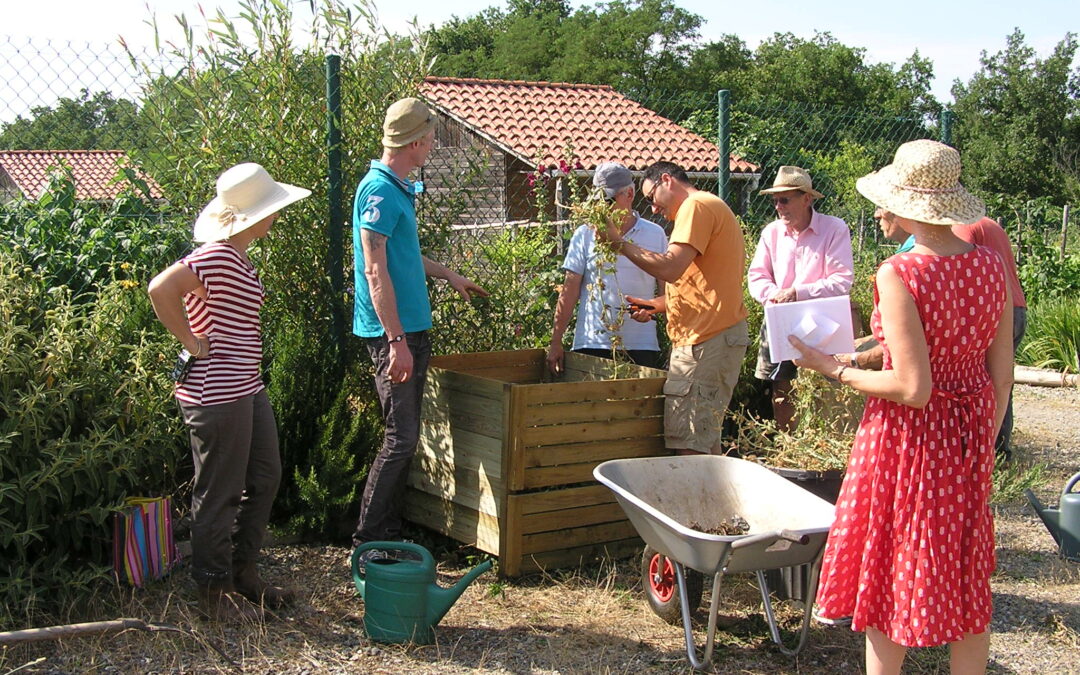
698	389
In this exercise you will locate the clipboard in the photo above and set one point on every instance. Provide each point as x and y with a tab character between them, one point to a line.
822	323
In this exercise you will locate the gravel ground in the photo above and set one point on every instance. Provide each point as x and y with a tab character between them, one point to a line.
592	620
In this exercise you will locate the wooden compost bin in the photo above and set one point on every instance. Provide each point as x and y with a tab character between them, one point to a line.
505	458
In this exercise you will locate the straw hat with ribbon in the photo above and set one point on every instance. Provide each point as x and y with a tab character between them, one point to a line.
923	184
245	195
792	178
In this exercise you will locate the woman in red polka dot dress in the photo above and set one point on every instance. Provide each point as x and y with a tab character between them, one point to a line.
911	551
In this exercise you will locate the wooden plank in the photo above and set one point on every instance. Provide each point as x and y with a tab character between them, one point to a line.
583	432
441	381
513	466
461	447
595	451
582	368
510	539
581	516
519	374
555	500
594	411
453	520
577	556
468	362
570	392
577	536
468	487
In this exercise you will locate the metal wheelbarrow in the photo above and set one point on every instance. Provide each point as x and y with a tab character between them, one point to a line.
672	501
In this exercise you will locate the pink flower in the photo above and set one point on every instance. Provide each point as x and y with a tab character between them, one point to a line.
563	166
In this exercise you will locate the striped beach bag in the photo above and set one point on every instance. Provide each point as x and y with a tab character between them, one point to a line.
143	545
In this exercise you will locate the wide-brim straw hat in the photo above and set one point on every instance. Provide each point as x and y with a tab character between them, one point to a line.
923	184
792	178
245	195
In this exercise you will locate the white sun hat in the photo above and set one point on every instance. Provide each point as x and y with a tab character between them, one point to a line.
245	195
923	184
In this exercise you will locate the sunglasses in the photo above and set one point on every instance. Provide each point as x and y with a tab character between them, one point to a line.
782	201
651	193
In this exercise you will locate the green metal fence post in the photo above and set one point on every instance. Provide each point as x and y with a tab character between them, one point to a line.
334	257
946	126
724	141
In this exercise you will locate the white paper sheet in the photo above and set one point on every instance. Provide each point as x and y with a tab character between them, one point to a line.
824	323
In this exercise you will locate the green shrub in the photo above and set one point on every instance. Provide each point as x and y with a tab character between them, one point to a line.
1052	339
82	244
86	419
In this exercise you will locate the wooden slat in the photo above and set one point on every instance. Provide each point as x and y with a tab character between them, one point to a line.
570	392
583	432
582	367
555	500
461	447
594	411
568	518
578	536
466	363
468	487
513	466
449	380
595	452
520	374
575	557
453	520
510	540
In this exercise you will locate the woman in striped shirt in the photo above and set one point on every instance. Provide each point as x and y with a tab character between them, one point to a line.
210	300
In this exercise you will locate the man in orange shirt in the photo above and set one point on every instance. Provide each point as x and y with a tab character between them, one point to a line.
703	268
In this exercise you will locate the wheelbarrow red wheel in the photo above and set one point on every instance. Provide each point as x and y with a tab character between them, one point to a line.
662	586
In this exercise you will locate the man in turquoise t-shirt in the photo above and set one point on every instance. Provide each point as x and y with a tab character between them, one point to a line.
392	312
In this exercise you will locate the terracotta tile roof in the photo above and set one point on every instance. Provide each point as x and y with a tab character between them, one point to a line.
92	169
600	123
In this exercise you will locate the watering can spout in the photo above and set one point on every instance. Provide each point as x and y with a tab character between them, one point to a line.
440	600
1050	517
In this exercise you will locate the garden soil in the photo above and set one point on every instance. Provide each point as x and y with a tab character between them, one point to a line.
591	620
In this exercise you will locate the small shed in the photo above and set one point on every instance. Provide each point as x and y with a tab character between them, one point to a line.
25	173
492	137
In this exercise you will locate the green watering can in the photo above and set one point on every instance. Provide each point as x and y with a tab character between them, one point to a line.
402	602
1064	521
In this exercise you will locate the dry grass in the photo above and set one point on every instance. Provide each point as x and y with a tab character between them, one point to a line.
591	620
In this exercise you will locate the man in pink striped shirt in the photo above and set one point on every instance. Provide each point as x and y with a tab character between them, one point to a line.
801	255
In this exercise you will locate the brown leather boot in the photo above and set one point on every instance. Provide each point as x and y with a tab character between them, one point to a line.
220	602
249	584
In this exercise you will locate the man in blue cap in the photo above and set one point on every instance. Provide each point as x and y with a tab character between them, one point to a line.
597	289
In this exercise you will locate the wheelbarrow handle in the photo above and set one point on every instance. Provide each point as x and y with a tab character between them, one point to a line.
770	537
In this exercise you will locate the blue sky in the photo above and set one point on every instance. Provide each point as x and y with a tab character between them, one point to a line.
952	33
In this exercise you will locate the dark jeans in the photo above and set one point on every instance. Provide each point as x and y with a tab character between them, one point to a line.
642	357
1004	437
237	472
384	493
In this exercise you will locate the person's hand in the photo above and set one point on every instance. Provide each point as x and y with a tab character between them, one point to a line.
813	359
201	347
784	295
556	356
612	234
400	368
638	311
466	287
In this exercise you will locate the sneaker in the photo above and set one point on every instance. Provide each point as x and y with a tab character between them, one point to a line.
839	621
372	554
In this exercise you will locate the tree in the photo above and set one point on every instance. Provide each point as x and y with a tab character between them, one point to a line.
1015	115
87	122
634	45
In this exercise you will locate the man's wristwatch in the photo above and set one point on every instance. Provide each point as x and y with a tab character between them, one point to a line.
396	339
